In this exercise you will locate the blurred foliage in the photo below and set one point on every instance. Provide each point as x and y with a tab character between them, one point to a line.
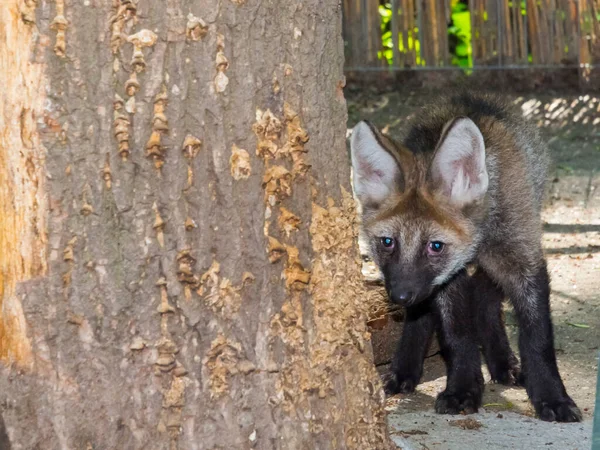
459	34
413	44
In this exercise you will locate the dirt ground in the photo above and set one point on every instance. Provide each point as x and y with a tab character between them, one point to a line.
571	125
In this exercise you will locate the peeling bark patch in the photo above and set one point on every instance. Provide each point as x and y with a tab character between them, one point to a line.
296	277
287	324
296	138
68	255
132	86
121	125
137	344
340	88
159	226
69	258
274	144
276	85
86	208
210	278
219	293
107	173
27	9
166	353
227	300
221	64
247	278
190	224
276	249
130	106
277	183
23	203
141	39
160	126
60	25
287	221
221	362
164	307
185	273
195	28
338	304
314	361
266	149
172	409
240	163
123	11
167	364
174	396
191	146
267	129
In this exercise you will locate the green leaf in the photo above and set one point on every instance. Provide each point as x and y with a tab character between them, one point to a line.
462	50
507	405
386	39
462	20
578	325
564	167
385	12
389	55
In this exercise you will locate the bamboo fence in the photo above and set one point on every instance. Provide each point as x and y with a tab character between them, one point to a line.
504	35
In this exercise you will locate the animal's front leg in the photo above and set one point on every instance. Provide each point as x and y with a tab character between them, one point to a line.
531	298
458	343
407	366
502	364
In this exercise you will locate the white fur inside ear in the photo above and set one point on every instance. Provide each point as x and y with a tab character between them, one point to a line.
459	164
375	171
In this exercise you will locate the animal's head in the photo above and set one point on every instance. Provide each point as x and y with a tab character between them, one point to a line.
420	212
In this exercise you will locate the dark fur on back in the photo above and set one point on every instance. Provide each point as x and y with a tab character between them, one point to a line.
425	129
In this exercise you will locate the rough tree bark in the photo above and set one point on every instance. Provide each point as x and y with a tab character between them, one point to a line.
177	241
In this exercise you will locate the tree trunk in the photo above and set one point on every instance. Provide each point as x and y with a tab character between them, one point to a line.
178	253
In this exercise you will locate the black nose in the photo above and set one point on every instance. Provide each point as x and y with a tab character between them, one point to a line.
401	296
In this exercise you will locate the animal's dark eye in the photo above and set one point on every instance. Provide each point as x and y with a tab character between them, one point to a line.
435	247
388	243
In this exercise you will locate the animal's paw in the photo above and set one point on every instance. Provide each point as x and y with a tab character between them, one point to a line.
558	411
398	383
508	373
466	401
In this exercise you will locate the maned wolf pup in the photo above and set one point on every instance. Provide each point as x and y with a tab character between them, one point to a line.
465	186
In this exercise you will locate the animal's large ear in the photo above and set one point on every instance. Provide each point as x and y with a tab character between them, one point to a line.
458	168
376	173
